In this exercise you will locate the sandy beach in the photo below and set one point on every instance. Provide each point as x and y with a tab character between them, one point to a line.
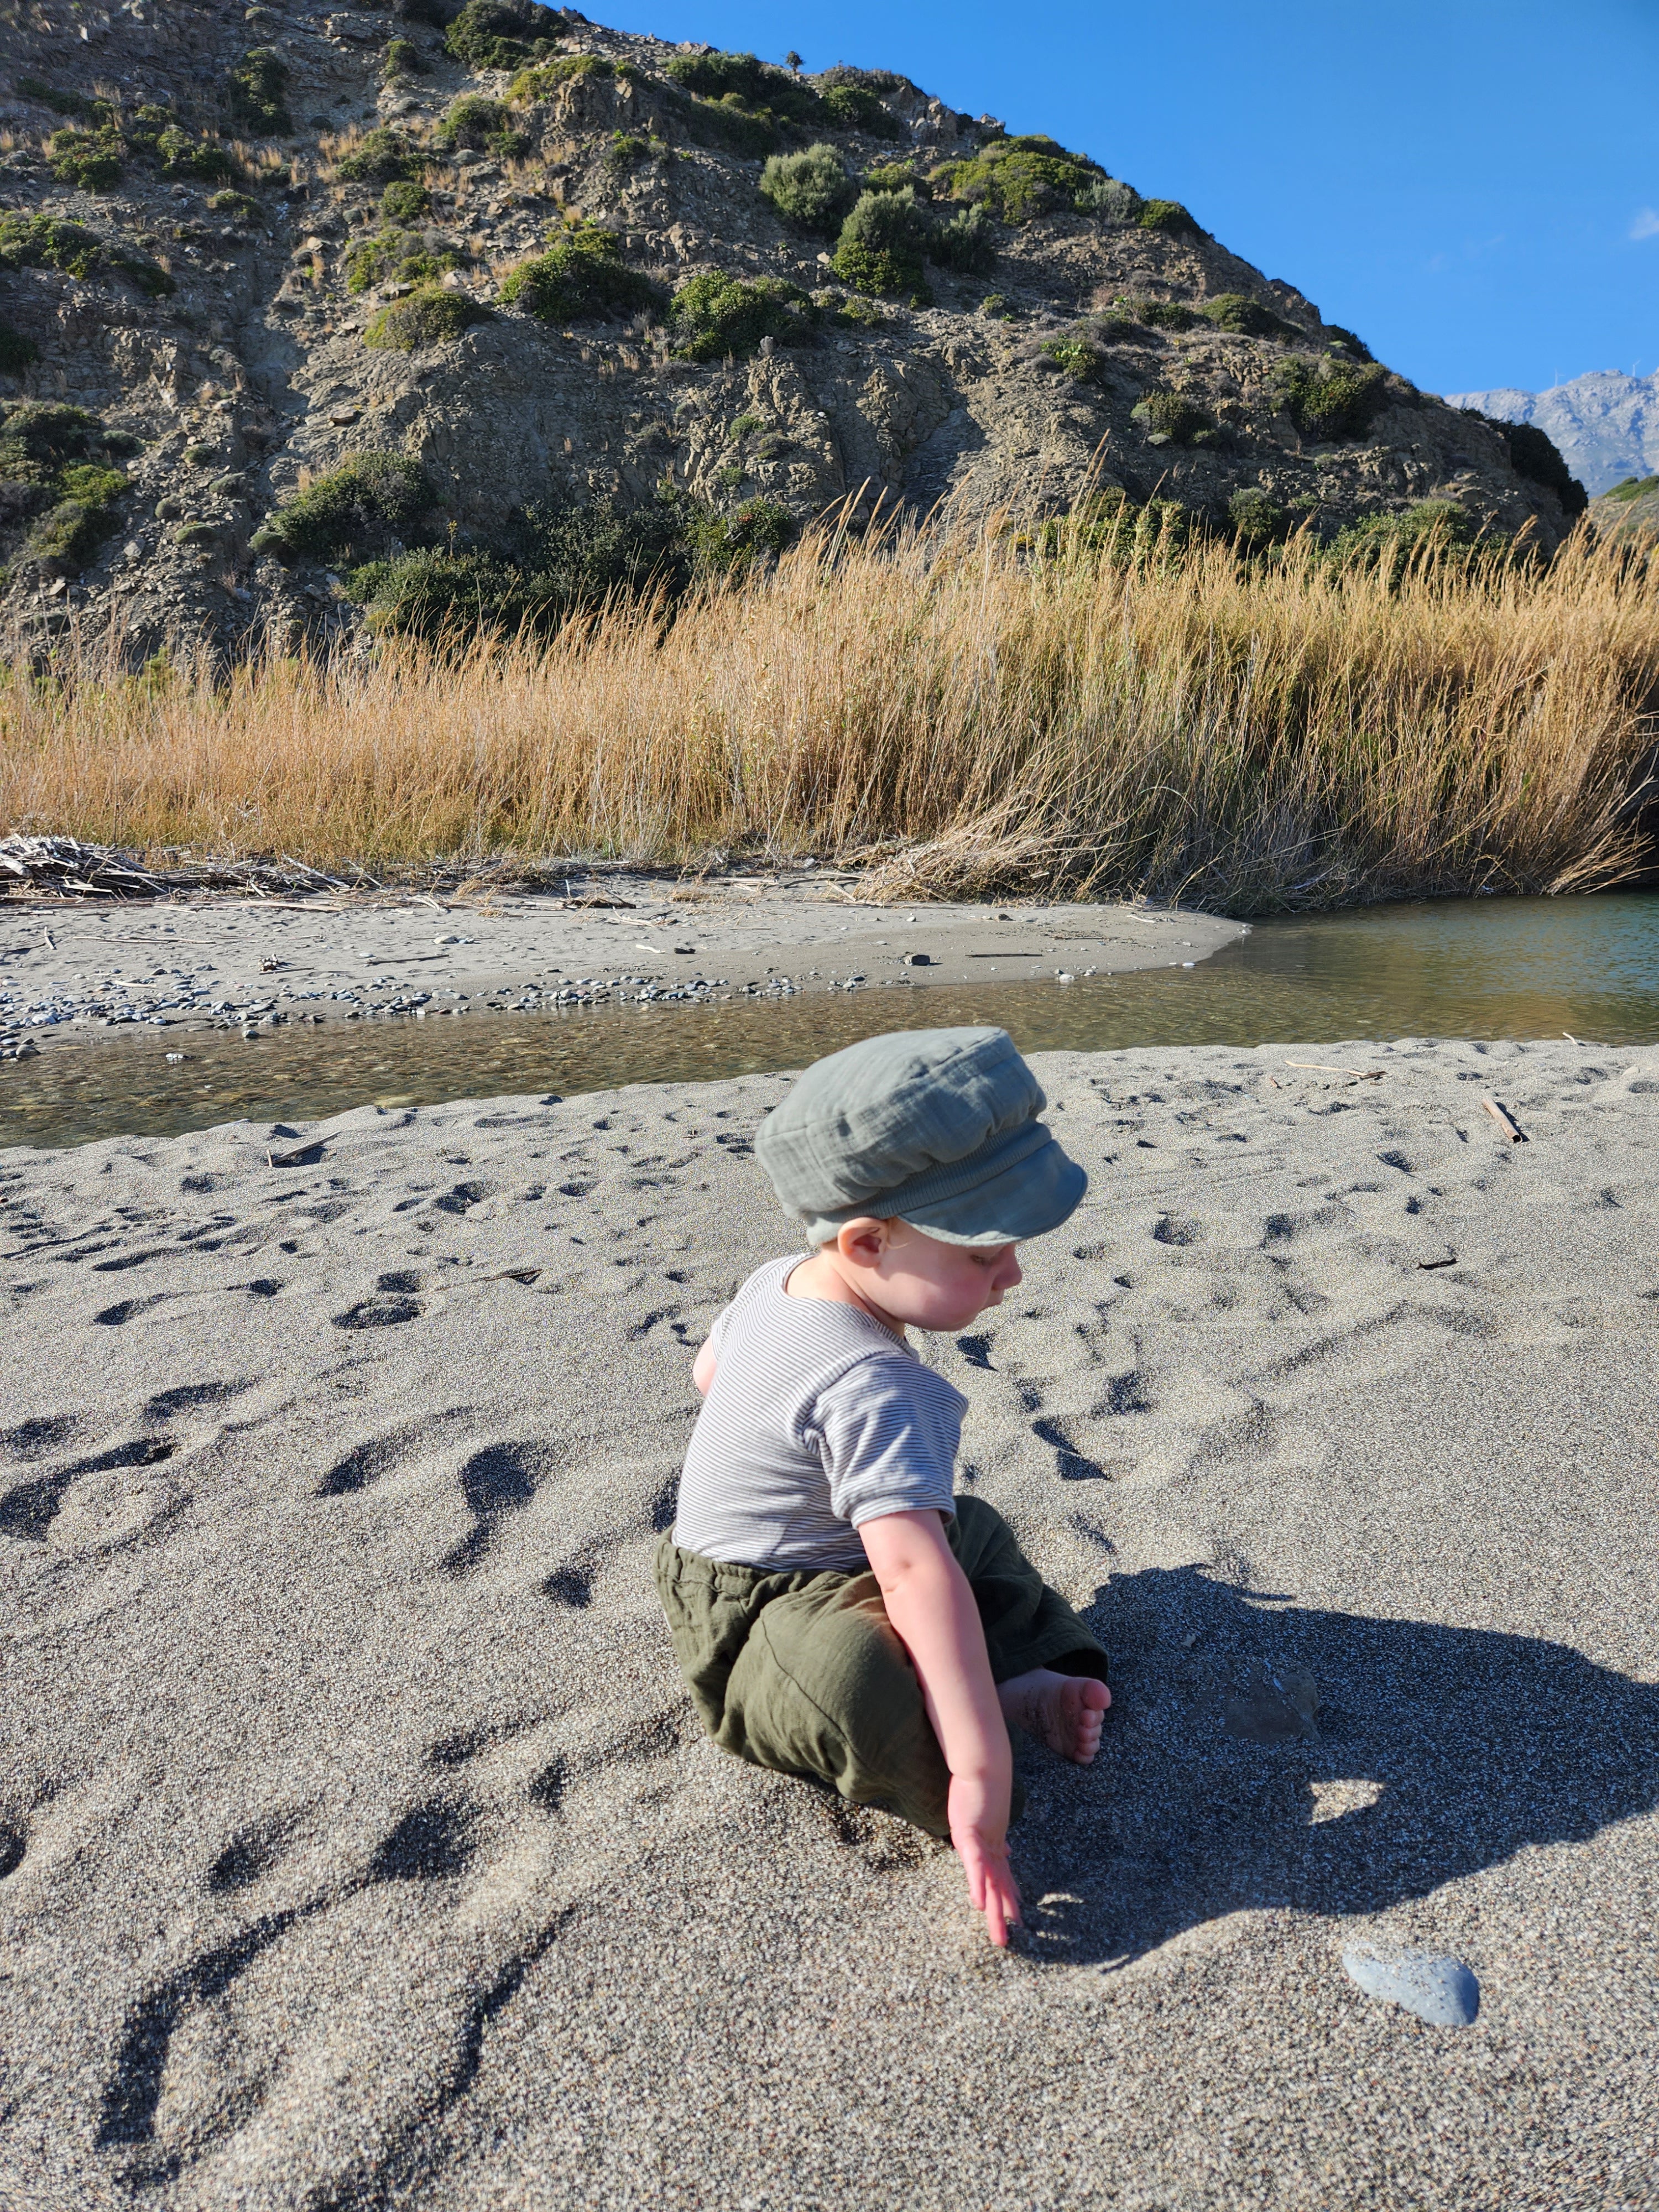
357	1844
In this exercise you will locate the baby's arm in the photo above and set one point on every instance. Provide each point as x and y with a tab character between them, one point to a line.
932	1610
702	1368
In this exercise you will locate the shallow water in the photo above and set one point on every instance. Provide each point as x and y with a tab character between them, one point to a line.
1479	968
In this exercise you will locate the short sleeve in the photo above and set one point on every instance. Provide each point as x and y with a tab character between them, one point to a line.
889	1429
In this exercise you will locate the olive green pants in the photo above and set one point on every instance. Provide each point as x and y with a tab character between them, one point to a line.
802	1671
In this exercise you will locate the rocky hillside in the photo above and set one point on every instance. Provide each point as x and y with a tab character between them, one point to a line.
1606	425
287	290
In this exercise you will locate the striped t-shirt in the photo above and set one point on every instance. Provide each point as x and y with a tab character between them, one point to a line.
818	1417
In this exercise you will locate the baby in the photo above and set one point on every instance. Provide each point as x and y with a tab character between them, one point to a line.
838	1613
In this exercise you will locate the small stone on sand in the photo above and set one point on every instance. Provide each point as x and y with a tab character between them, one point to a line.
1438	1990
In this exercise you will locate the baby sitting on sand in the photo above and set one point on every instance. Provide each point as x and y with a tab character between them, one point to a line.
838	1613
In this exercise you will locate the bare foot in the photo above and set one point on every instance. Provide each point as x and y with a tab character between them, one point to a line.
1062	1711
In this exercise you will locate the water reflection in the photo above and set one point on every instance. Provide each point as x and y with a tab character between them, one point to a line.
1487	968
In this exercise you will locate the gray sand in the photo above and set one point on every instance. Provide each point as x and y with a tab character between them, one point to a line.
362	1851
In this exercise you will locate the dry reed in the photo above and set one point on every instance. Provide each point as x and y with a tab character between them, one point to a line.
960	717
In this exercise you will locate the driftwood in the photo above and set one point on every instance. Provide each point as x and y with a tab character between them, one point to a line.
62	867
1359	1074
1510	1129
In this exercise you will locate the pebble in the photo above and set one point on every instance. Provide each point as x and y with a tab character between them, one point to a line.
1438	1990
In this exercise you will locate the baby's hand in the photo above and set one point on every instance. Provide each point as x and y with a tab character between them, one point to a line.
979	1831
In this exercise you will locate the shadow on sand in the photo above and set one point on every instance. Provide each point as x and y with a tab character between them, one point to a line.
1432	1753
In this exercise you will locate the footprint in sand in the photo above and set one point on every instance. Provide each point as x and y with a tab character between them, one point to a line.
30	1510
501	1478
394	1302
252	1853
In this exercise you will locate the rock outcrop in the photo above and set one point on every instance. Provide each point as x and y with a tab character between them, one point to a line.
240	247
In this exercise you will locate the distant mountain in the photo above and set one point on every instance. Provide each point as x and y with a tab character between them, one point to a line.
1606	424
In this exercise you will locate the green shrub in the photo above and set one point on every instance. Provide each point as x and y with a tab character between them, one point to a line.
42	241
559	560
1075	357
1247	318
853	107
436	15
181	155
1172	415
474	120
1111	199
1433	526
744	426
999	307
235	207
258	87
88	161
584	275
148	276
734	543
57	458
721	78
403	59
405	201
1347	340
812	189
1108	525
1533	454
896	176
40	434
964	243
542	84
428	317
1168	215
857	312
1633	487
503	33
385	157
1333	400
69	536
369	502
73	104
398	256
716	314
1257	520
884	84
882	243
1018	179
1163	314
626	149
16	351
729	123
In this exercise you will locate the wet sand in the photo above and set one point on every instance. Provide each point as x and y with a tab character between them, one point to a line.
358	1845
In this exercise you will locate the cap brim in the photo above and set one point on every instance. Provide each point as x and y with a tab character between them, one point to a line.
1029	1198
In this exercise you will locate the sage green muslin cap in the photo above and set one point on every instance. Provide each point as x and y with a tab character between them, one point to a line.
938	1127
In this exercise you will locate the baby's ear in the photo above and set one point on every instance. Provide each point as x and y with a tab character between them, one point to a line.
864	1241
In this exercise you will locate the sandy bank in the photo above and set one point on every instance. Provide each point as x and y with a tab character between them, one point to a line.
358	1845
232	962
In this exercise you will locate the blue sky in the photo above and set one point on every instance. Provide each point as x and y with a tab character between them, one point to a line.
1473	187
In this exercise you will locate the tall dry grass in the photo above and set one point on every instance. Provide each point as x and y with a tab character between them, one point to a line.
968	720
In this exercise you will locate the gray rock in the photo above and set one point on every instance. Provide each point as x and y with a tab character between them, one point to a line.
1438	1990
